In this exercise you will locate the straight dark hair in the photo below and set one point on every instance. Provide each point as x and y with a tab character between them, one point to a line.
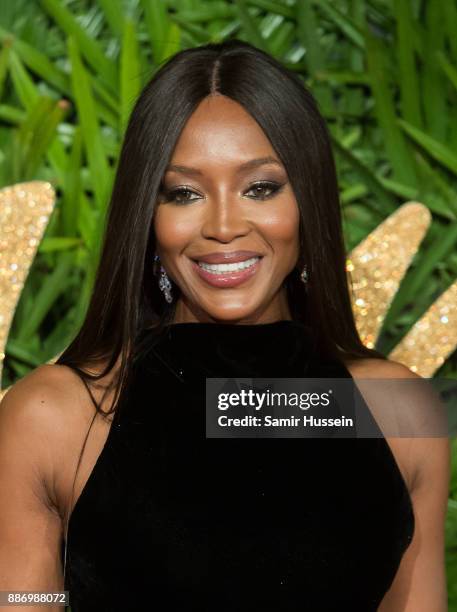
126	298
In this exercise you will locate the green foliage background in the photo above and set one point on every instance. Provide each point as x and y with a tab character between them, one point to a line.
384	73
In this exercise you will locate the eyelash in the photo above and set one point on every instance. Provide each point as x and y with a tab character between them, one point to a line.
170	196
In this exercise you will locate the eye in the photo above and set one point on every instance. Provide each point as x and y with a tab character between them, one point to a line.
264	189
180	195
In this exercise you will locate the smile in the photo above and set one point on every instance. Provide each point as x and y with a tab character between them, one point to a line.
227	275
231	267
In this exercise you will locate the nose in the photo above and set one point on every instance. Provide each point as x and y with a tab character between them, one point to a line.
224	220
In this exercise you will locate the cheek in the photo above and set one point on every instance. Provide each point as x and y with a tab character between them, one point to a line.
173	229
281	227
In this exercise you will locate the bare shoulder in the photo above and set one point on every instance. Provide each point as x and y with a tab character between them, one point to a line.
420	459
47	412
47	398
50	391
37	397
368	367
46	377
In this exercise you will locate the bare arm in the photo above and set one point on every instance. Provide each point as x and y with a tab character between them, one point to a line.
420	583
30	522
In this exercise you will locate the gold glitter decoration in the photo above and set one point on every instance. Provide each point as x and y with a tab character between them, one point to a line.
25	209
432	338
377	265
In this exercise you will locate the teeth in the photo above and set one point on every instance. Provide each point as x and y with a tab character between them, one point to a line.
231	267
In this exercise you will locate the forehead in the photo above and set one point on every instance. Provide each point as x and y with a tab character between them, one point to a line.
220	128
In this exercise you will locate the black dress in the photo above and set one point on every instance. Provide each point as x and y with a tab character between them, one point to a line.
172	520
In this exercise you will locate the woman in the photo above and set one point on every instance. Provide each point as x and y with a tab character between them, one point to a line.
223	256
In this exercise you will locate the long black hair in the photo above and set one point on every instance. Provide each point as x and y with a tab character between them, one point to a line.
126	298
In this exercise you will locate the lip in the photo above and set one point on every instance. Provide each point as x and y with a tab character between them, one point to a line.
227	279
227	257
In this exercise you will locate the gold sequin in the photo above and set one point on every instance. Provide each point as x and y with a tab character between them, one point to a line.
377	265
432	338
25	210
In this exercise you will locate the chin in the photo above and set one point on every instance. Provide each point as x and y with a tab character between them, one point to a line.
231	318
231	315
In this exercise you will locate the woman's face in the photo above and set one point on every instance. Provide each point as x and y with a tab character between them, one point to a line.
226	197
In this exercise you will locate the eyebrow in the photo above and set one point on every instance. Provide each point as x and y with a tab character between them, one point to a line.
249	165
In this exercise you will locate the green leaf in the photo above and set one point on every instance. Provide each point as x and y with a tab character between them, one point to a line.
38	62
450	22
308	35
386	201
434	148
100	171
20	350
25	138
437	192
72	187
87	222
114	15
173	40
58	243
408	73
88	46
54	284
11	114
396	147
403	191
433	97
449	70
199	34
4	62
345	24
208	12
277	8
343	77
23	84
355	192
281	39
358	9
157	23
43	136
130	73
249	26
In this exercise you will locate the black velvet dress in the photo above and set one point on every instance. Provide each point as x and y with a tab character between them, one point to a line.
172	520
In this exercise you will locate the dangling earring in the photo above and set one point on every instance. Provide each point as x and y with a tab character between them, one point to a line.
164	281
304	274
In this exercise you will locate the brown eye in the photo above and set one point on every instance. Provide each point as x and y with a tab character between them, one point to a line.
180	195
264	190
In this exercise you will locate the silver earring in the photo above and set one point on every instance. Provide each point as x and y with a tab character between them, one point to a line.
304	274
164	281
